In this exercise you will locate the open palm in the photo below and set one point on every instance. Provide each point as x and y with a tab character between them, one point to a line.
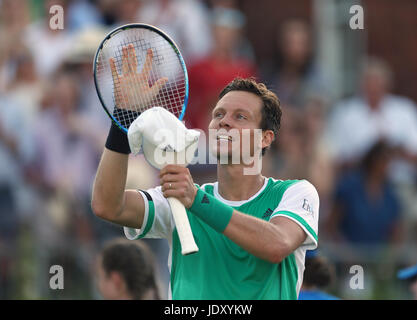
131	88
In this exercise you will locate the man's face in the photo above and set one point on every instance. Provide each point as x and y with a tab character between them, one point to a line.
235	128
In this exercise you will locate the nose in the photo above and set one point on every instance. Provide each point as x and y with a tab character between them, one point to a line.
225	122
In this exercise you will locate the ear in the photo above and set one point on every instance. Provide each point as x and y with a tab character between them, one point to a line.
268	137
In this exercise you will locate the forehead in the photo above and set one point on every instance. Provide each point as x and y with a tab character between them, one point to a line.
241	100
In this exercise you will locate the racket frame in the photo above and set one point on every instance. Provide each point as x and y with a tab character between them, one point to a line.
186	237
162	34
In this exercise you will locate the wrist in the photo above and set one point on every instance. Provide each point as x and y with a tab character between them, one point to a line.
117	140
212	211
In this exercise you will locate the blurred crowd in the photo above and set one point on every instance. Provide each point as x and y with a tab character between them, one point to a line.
360	152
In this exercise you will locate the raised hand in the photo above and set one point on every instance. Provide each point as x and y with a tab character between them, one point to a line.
131	89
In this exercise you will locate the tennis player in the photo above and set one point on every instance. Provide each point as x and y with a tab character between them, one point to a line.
252	231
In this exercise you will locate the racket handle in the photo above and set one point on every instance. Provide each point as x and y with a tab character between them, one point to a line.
185	234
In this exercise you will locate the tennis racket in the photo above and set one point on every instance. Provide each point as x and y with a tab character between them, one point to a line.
138	67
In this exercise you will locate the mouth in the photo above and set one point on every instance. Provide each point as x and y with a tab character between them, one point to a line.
224	138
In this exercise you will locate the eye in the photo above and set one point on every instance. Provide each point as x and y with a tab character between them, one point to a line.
217	115
240	116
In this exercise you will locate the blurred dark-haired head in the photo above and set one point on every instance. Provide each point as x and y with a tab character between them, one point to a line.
127	270
318	272
377	159
295	45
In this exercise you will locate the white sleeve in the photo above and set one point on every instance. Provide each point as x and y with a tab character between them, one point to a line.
157	220
300	203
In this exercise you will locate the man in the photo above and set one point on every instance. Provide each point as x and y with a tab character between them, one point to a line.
374	114
252	231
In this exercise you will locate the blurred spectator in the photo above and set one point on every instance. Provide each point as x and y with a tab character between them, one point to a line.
14	17
410	276
366	212
300	152
48	46
65	158
293	74
210	74
357	123
25	86
120	12
92	122
83	14
15	154
185	21
127	271
319	274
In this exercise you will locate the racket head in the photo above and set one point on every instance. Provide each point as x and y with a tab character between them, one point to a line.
167	62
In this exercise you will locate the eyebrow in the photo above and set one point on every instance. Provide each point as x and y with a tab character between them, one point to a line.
236	110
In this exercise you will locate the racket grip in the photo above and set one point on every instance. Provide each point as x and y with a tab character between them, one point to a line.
182	224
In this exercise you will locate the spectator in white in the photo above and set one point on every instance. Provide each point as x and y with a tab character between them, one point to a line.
25	86
375	114
186	21
66	159
48	46
92	121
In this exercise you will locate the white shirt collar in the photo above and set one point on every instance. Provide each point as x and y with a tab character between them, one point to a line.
240	202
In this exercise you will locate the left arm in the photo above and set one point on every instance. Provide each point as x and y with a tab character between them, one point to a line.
269	240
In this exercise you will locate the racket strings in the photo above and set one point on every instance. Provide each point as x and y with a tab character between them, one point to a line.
127	91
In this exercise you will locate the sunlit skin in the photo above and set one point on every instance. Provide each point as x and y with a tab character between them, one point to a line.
238	110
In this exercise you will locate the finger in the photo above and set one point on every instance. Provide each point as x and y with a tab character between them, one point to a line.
170	186
173	193
148	63
169	177
158	85
170	168
114	73
125	61
133	60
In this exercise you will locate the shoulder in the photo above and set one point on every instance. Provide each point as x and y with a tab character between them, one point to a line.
294	187
399	105
401	101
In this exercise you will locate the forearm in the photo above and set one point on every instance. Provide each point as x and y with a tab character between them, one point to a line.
109	184
260	238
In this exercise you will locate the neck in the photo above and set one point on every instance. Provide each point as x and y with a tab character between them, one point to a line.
374	102
234	185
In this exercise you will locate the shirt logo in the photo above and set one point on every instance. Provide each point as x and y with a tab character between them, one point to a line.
205	199
307	207
267	213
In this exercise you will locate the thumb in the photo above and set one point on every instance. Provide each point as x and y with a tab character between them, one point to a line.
158	85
